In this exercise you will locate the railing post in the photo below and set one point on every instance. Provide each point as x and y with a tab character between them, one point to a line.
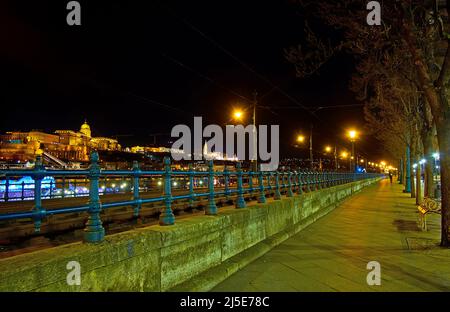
137	206
63	191
51	189
269	177
23	191
166	217
240	202
226	177
277	195
300	183
308	181
314	181
94	231
250	183
191	186
262	194
211	209
74	188
320	180
6	189
289	192
38	211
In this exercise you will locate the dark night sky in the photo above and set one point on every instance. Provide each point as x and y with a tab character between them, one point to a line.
124	56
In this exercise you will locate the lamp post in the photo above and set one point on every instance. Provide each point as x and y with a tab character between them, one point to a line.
352	134
238	115
301	139
328	149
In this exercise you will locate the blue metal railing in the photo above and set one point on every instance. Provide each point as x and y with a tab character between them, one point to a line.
257	182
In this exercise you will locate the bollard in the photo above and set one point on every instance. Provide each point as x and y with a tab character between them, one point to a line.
240	202
137	206
38	211
191	186
211	209
277	195
94	231
166	217
262	195
289	192
226	176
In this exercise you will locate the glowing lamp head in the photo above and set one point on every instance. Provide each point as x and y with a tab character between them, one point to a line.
352	134
344	154
300	139
238	114
327	149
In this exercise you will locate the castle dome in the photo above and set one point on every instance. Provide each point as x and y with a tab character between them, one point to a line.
86	129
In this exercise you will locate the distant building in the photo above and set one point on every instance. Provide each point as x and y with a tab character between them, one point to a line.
68	145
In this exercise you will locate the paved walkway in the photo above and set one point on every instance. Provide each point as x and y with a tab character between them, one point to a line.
378	224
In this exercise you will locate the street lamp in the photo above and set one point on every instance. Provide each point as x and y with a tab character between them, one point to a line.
300	138
353	134
328	149
238	114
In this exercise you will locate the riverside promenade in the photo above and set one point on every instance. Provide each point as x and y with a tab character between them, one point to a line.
378	224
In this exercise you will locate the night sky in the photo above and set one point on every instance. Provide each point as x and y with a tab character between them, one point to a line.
133	70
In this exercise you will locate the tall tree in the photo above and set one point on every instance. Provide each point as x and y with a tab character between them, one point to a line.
416	30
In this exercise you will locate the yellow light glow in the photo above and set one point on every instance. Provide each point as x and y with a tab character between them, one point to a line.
300	138
238	114
362	160
344	154
327	149
352	134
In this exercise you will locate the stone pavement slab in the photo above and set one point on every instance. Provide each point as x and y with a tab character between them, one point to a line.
378	224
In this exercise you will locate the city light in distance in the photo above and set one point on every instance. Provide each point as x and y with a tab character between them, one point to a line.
327	148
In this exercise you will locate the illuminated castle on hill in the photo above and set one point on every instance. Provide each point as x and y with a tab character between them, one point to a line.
67	145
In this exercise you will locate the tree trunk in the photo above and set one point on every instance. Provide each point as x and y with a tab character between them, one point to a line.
404	172
443	132
427	140
411	164
418	182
